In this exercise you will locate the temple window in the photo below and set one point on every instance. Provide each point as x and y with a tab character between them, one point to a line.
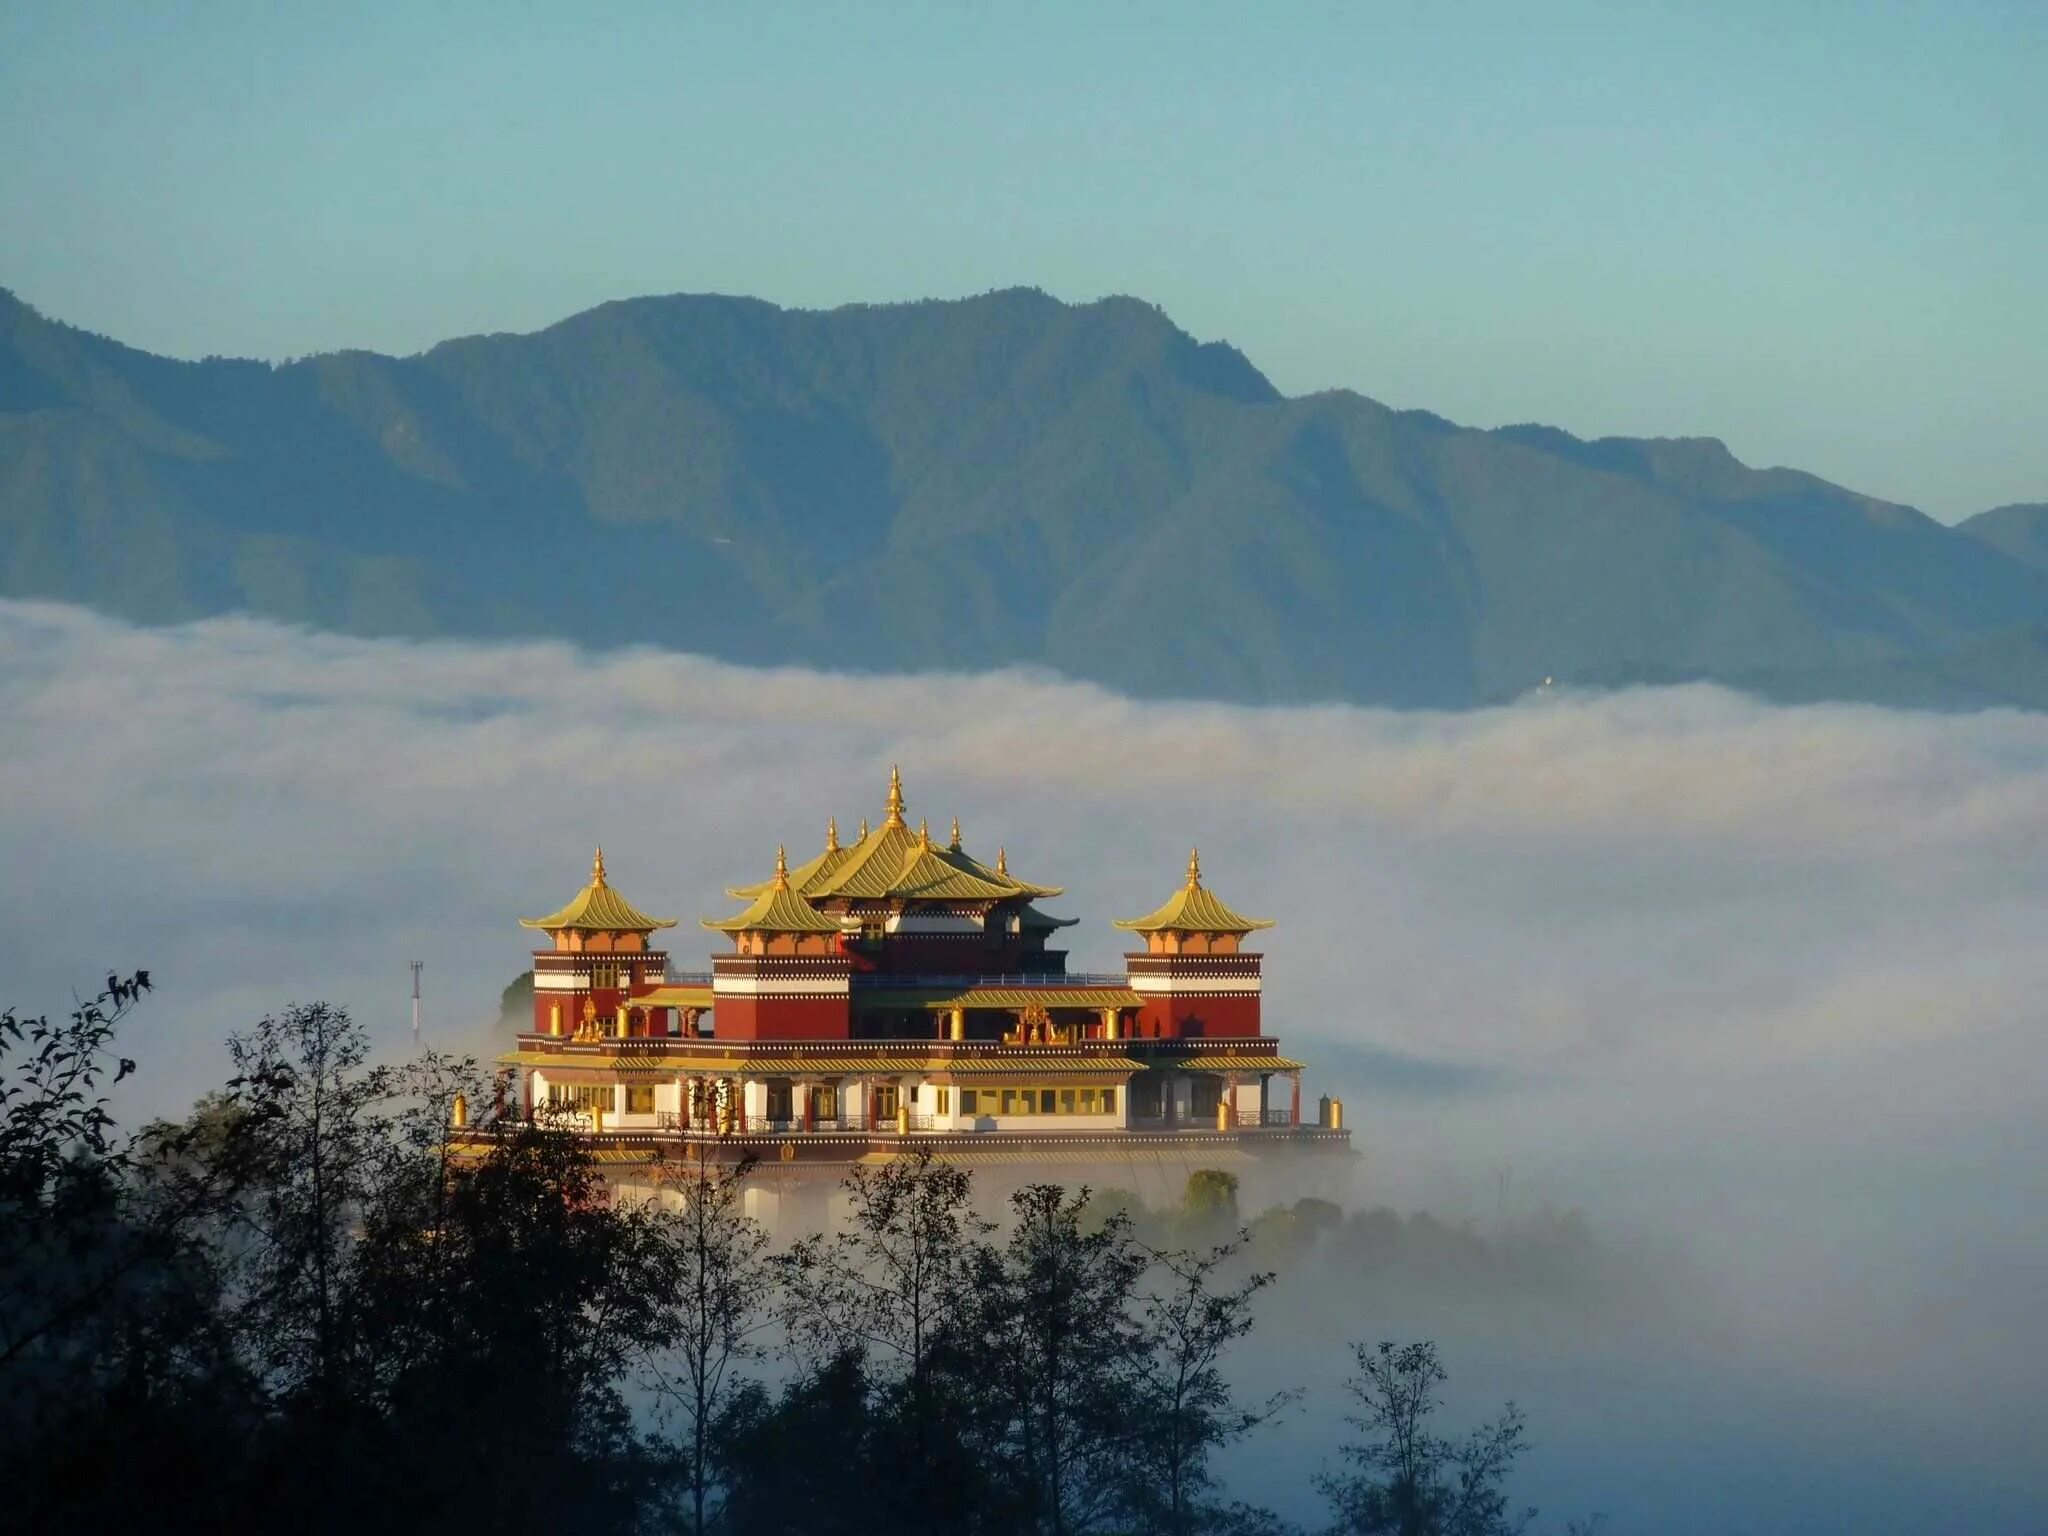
640	1101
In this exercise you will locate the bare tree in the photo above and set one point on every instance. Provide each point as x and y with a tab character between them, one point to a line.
718	1286
1189	1319
1405	1479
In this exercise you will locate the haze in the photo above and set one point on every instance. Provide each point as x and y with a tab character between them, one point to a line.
1813	232
1756	988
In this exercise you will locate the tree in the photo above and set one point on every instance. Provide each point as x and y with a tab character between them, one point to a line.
61	1167
1406	1480
306	1140
717	1285
510	1409
893	1292
1057	1308
1186	1405
790	1462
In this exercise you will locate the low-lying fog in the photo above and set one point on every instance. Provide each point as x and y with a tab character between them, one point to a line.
1758	990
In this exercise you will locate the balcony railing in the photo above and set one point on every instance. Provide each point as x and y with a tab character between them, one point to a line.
1026	979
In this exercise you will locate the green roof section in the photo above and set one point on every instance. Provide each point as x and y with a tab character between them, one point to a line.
598	908
776	910
1193	909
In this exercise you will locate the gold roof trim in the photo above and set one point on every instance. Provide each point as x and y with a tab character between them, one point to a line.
597	908
776	910
1193	909
1232	1064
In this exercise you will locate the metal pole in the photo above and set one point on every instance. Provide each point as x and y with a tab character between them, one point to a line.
416	1003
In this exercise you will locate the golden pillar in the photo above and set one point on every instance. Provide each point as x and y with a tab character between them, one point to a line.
1110	1023
956	1024
554	1018
458	1112
1336	1114
902	1116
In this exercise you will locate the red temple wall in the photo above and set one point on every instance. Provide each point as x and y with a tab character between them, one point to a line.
1166	1017
780	1018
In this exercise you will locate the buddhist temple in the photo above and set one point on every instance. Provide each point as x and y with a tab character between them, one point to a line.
896	990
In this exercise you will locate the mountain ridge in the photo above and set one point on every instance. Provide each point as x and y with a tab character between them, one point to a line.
959	483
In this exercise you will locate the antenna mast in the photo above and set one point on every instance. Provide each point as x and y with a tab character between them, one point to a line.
416	1003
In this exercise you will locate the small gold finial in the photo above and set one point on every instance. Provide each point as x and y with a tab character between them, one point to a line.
831	834
895	805
1002	861
863	831
956	834
924	834
781	868
597	870
1194	869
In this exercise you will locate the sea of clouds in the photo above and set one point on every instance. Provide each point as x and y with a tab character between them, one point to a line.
1759	989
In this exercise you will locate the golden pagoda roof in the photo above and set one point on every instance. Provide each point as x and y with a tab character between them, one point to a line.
808	876
597	908
894	861
776	910
928	875
1193	909
955	855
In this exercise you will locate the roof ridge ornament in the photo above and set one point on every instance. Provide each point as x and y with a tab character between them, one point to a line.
781	868
831	834
924	836
597	871
956	834
1194	869
894	807
1003	861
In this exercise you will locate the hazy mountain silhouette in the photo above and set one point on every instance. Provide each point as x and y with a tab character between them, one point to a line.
1005	479
2020	531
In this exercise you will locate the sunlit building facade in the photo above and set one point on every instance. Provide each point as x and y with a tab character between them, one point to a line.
895	990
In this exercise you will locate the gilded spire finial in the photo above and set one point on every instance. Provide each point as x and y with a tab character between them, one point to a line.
1194	869
956	834
597	870
831	834
1002	861
863	830
924	834
895	805
781	868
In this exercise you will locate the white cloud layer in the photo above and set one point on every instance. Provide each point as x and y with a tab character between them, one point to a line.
1768	978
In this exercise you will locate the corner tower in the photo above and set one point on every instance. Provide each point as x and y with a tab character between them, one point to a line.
1194	973
598	961
786	978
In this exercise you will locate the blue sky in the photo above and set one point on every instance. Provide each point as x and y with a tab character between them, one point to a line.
1816	231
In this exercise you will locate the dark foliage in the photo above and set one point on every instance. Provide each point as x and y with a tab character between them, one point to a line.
312	1306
